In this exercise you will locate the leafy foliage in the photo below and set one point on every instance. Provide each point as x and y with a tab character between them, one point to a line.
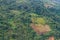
17	15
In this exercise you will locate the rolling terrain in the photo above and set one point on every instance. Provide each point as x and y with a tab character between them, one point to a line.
29	20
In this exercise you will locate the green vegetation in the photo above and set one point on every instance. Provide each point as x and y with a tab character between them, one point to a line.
17	15
38	20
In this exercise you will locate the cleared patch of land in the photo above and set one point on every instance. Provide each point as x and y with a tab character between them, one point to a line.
51	38
40	29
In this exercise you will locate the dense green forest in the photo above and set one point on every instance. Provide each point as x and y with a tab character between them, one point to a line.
18	16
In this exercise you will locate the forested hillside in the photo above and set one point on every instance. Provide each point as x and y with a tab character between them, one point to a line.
29	19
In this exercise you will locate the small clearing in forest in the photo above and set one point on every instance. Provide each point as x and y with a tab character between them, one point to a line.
40	29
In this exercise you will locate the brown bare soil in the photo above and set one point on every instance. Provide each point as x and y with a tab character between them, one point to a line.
40	29
51	38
